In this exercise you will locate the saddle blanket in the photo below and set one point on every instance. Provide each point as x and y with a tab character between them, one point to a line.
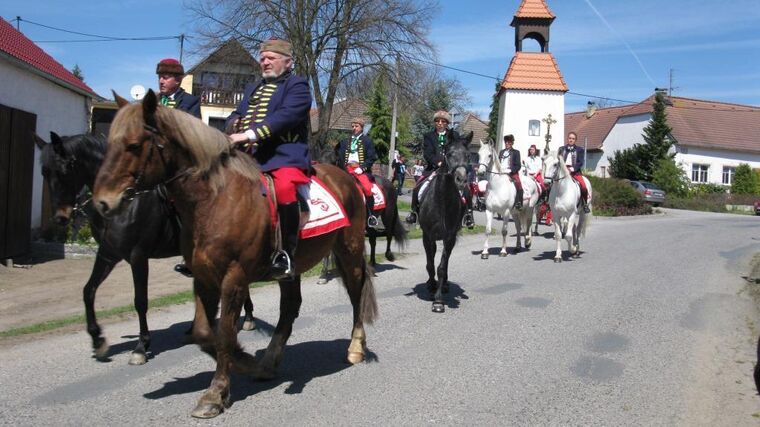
326	214
379	196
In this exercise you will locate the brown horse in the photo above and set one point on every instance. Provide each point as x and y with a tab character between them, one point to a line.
228	234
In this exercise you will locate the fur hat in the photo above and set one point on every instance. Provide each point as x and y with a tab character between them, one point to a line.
276	45
358	120
442	114
170	66
509	138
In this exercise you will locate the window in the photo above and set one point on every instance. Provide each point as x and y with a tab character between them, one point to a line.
217	122
534	128
728	174
699	172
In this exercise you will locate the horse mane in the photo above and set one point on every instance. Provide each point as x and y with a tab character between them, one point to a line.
88	149
209	148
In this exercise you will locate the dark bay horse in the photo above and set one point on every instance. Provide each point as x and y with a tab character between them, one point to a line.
219	195
146	229
441	211
393	228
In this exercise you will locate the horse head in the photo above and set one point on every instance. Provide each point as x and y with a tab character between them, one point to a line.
64	175
551	166
457	158
486	156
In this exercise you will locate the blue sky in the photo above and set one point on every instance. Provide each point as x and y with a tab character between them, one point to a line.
605	48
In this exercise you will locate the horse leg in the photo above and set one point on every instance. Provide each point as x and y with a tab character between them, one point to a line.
518	231
229	354
430	249
489	220
504	234
206	303
575	249
528	231
558	240
139	265
372	243
443	275
389	227
357	279
102	268
249	322
324	277
290	304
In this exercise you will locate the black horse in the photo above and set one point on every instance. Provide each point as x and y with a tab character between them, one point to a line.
146	229
441	211
392	226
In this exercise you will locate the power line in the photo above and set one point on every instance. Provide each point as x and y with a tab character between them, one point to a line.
98	37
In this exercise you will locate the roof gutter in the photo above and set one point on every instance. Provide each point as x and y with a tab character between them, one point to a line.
47	76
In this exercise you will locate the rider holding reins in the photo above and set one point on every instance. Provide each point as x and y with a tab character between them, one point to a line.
573	156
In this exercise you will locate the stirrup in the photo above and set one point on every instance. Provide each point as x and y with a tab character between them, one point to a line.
372	221
282	267
182	269
469	221
586	209
411	218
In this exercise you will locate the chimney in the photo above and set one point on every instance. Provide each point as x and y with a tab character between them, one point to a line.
590	109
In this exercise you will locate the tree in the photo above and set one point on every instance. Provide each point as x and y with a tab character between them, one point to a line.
745	180
657	142
331	40
671	178
379	114
625	164
77	72
493	117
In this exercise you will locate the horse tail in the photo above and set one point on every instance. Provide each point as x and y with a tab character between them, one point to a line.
368	304
399	232
585	219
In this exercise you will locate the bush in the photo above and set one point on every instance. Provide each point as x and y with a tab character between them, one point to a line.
745	180
671	178
698	190
615	197
706	202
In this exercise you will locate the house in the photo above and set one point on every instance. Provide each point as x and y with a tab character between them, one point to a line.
711	138
219	81
471	123
344	110
532	94
37	94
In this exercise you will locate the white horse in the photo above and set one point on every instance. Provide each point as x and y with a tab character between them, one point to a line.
564	201
500	198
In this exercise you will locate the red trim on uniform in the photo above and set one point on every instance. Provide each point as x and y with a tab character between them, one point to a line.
285	181
366	184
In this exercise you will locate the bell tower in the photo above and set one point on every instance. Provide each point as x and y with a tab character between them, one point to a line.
532	21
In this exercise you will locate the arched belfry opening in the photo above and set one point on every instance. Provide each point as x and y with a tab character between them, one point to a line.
532	21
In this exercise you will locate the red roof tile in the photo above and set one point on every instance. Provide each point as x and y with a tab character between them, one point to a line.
534	71
18	46
695	123
533	9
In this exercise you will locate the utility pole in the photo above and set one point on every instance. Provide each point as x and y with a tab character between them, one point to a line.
670	85
181	46
18	23
393	122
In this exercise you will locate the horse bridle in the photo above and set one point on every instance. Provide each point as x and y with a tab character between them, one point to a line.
495	161
131	192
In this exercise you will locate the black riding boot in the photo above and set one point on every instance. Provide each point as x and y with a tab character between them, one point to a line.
584	202
519	199
283	262
412	217
371	218
183	269
469	219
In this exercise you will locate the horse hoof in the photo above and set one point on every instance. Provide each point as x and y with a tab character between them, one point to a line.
503	254
390	257
138	358
355	357
528	245
210	410
249	325
483	256
438	307
322	280
557	259
101	351
577	255
265	374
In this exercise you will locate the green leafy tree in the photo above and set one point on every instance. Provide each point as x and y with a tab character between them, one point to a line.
671	178
657	142
745	180
379	114
77	72
493	117
626	164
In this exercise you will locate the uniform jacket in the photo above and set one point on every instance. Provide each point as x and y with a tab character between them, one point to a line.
514	159
370	156
563	152
283	134
187	102
430	148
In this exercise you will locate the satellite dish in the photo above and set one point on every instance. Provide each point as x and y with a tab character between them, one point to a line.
137	92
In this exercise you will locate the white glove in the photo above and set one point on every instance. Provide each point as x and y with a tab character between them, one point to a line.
358	170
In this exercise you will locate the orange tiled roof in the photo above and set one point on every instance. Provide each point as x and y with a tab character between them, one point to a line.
534	71
533	9
695	123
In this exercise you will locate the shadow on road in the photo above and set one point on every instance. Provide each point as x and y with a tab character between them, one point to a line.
302	363
549	256
451	299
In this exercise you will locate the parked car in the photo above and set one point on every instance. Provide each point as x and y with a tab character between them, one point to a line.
649	192
757	207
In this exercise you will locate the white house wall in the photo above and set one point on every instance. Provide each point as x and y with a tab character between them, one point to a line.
715	160
58	109
626	132
518	107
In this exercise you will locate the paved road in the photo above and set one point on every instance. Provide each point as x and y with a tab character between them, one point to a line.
649	327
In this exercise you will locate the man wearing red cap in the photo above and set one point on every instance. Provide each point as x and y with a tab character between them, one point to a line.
357	155
170	73
270	124
433	144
